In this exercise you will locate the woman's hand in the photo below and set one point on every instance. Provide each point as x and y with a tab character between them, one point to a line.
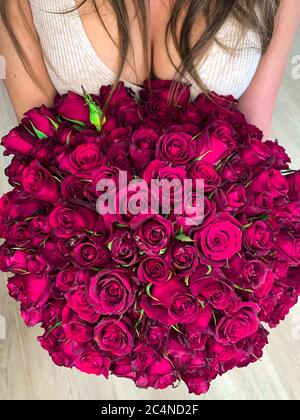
259	100
22	89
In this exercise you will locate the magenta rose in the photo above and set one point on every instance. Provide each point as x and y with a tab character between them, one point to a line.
258	238
90	255
184	258
159	375
176	148
281	158
123	248
293	181
154	270
171	303
221	239
211	289
288	246
235	170
155	334
65	280
72	188
85	159
111	292
77	300
142	148
93	363
40	121
36	289
258	277
154	233
39	184
71	104
216	143
66	222
196	384
272	181
239	325
204	171
254	152
18	142
196	332
113	336
75	328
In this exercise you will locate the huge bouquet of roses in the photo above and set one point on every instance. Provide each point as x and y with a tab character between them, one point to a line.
154	296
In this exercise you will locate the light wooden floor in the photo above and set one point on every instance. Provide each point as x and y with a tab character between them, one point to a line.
26	371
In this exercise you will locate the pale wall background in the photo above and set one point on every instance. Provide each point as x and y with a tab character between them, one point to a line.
26	371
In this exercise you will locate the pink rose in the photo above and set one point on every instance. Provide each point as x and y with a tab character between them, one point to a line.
113	336
39	184
258	238
221	239
142	148
239	325
40	120
93	363
82	161
77	299
154	270
111	292
216	143
203	170
171	303
18	142
154	233
176	148
75	328
213	290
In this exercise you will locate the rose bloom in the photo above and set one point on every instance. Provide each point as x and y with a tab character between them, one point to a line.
221	239
123	248
77	299
93	363
113	336
111	292
154	233
216	142
85	159
213	289
142	148
171	303
176	148
154	270
239	325
39	184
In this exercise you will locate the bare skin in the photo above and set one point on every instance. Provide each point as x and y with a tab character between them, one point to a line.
257	103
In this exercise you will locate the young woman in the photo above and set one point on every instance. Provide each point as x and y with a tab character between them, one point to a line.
232	47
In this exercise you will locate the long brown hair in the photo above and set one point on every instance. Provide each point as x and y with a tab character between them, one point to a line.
257	15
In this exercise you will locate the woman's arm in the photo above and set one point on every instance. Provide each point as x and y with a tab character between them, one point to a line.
22	89
259	100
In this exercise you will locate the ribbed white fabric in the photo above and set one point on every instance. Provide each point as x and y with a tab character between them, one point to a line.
72	61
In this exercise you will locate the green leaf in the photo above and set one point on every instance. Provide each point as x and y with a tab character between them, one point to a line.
163	251
242	289
203	156
38	133
109	245
58	324
55	124
187	280
148	291
176	328
210	269
79	123
184	238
